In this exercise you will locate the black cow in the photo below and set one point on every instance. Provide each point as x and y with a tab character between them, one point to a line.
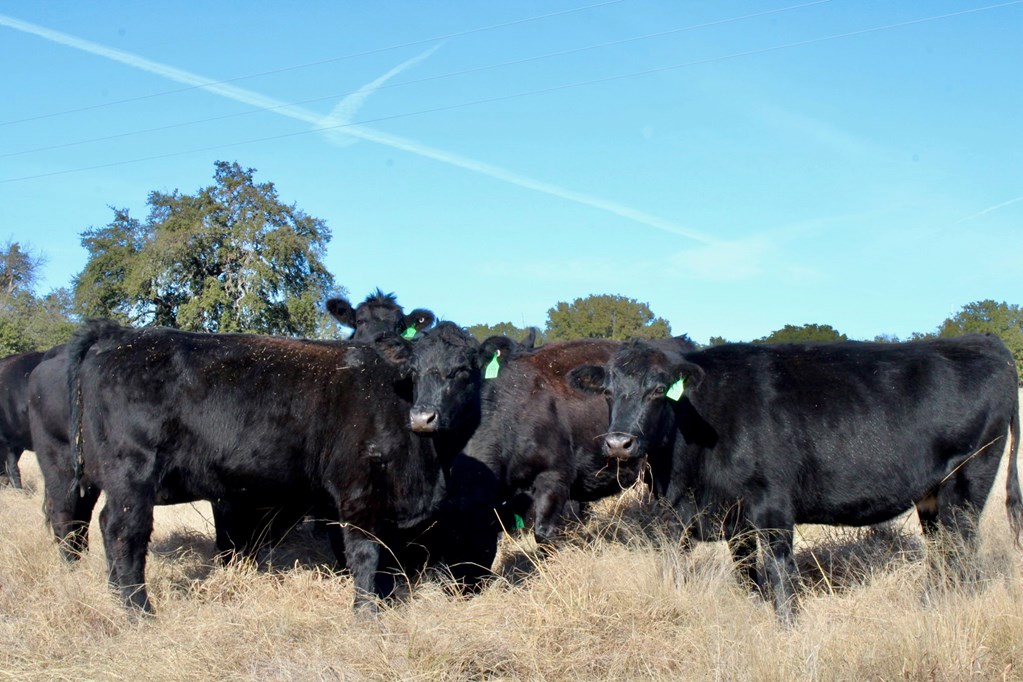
160	415
758	438
379	314
70	498
15	435
535	442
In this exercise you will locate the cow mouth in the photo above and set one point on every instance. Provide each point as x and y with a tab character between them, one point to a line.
620	457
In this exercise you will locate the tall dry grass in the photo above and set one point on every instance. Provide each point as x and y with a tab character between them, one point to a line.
610	604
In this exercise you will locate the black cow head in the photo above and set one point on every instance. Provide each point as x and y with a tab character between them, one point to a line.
446	366
379	314
449	368
642	384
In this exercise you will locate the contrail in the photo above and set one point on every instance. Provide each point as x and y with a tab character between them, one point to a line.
988	210
344	112
298	113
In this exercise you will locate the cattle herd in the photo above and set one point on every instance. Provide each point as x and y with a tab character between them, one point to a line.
420	445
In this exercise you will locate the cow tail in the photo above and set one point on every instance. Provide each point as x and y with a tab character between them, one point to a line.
84	338
1013	498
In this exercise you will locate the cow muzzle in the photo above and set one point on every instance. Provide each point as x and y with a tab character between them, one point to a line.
424	421
621	445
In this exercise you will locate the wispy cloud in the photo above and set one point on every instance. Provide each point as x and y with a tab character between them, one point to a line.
821	133
989	209
725	261
301	114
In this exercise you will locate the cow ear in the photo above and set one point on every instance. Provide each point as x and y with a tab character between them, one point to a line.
684	343
494	353
529	342
690	374
342	311
419	319
587	378
396	351
498	343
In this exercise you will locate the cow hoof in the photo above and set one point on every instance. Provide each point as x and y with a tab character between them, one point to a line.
366	610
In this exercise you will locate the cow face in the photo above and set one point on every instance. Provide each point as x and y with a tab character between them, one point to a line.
642	385
379	314
447	377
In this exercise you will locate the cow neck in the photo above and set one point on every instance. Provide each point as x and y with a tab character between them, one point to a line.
450	443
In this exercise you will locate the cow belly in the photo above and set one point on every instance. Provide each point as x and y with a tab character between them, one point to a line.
864	492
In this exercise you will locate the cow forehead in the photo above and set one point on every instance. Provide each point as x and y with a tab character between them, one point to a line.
445	346
639	366
378	313
378	308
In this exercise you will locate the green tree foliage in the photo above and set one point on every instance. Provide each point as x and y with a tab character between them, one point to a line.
19	269
484	331
717	341
604	317
981	317
28	322
230	258
807	332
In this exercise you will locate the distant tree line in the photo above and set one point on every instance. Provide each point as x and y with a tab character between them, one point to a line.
233	258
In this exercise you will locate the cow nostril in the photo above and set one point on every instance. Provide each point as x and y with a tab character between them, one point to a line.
620	445
425	420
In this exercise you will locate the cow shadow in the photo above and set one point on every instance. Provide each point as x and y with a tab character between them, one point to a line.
193	553
838	558
847	558
519	559
304	546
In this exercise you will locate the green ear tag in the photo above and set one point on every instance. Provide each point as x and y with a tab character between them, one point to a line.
493	367
520	523
675	390
409	333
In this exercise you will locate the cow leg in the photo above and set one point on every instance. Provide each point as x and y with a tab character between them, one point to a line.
927	512
85	502
362	554
743	546
469	531
11	466
775	531
127	522
584	512
469	547
959	517
241	530
550	494
336	537
69	512
228	530
59	513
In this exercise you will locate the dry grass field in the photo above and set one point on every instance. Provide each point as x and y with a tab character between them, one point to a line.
611	604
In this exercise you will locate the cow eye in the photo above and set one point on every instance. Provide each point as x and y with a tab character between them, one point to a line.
659	389
459	373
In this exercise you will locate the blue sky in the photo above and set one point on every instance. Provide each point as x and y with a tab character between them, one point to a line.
737	165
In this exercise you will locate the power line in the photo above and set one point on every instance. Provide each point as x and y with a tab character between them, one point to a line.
425	79
284	69
556	88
